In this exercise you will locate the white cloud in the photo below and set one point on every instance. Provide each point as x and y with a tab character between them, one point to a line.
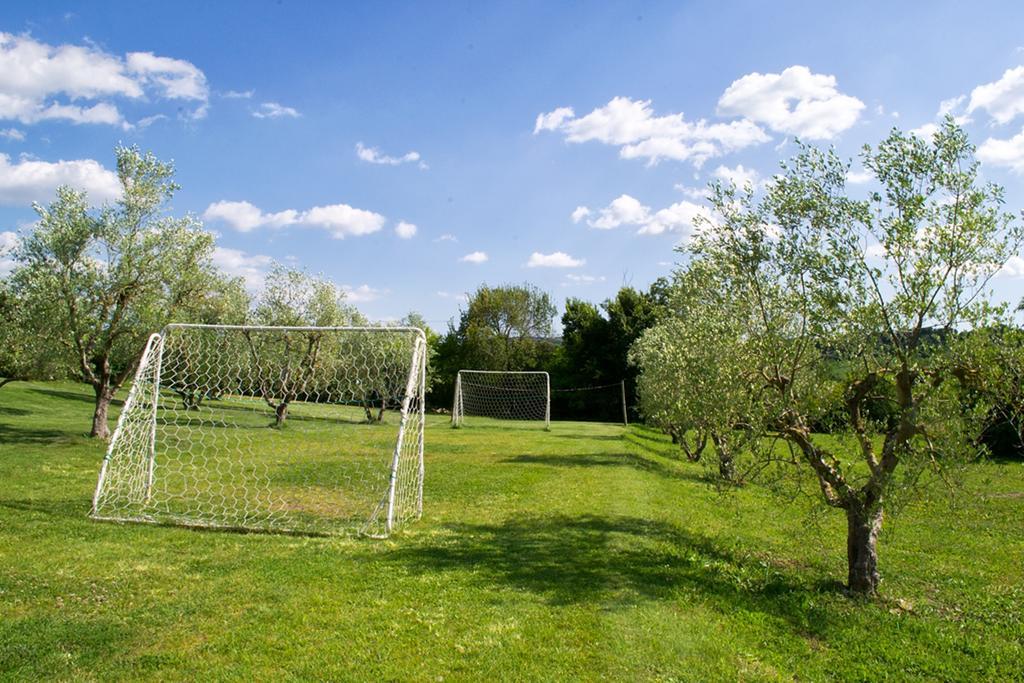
72	82
553	120
927	131
1002	99
238	94
739	176
558	259
405	230
340	220
795	102
474	257
8	241
1014	267
859	177
446	237
12	134
31	180
175	79
362	293
681	217
579	213
580	279
372	155
250	267
1008	153
457	297
632	126
243	216
623	209
273	110
950	105
696	193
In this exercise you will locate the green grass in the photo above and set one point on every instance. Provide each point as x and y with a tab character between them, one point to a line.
582	553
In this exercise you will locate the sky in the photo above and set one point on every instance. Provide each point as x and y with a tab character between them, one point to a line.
413	151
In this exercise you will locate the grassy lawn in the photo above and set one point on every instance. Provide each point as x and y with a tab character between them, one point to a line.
582	553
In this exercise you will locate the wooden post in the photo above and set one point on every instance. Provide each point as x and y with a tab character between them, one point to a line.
625	415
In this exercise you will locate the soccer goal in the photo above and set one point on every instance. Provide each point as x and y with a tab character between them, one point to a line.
502	395
290	429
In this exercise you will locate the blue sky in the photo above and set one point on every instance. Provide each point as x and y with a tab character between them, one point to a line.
571	136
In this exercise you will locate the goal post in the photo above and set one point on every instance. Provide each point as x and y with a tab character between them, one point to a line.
502	395
290	429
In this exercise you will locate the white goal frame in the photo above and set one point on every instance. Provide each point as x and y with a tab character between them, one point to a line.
459	404
129	487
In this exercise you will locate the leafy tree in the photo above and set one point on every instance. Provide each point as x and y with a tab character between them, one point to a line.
596	343
501	328
100	281
24	356
693	373
818	275
294	298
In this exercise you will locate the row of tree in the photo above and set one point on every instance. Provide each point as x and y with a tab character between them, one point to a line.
804	309
91	285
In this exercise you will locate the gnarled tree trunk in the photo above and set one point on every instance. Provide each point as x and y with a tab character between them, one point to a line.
100	428
862	527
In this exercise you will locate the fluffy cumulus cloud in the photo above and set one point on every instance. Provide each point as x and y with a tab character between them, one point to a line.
557	259
274	110
8	240
795	102
1013	268
405	230
632	126
682	217
1008	153
12	134
250	267
30	180
739	176
579	213
1002	99
339	220
362	293
40	82
372	155
475	257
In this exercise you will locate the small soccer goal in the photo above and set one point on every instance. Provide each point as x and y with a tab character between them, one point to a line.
485	395
290	429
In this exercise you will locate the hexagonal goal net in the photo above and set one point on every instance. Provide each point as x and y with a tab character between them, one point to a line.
484	396
290	429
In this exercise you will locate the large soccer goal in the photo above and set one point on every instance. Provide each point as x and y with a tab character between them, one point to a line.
502	395
292	429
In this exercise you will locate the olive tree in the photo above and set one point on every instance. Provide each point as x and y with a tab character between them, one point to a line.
693	368
294	298
99	281
849	301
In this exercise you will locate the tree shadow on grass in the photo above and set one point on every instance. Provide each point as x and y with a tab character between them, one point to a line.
623	459
34	436
612	561
58	507
72	396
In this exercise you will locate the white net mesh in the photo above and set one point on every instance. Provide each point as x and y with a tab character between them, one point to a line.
485	395
309	430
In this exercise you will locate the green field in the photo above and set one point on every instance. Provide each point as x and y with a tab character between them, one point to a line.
582	553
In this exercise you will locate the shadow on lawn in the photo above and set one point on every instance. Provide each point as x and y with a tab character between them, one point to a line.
614	561
34	436
73	396
609	460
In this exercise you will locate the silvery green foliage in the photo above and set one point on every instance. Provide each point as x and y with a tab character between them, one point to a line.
847	307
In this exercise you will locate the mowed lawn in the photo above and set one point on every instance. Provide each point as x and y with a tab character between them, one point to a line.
583	553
